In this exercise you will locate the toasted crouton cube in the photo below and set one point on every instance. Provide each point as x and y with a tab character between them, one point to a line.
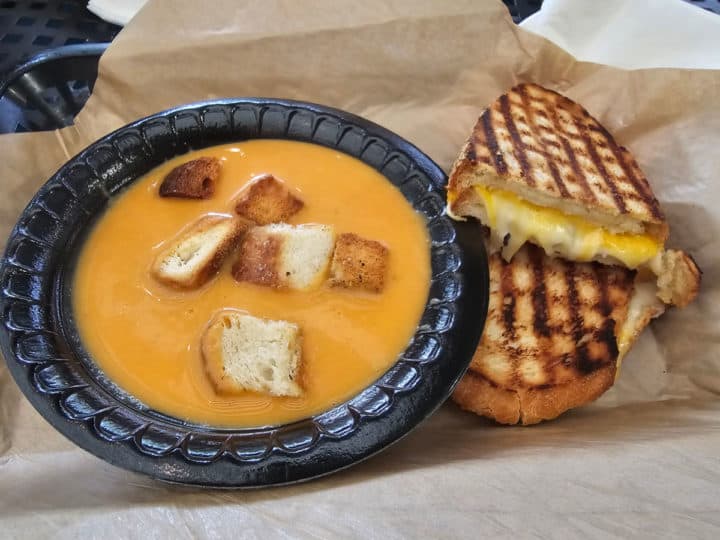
358	263
285	256
267	200
193	257
192	180
244	353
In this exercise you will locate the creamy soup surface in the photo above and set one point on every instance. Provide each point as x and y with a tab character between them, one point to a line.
146	337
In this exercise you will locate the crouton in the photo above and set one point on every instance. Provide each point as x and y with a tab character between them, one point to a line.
267	200
358	263
285	256
192	180
245	353
193	257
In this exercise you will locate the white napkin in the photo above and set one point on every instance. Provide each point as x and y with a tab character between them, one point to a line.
631	34
116	11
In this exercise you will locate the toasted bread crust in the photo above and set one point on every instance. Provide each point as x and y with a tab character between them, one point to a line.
476	394
258	259
358	263
192	180
527	406
210	267
549	150
267	200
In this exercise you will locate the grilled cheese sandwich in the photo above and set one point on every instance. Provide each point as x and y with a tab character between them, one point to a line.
539	172
538	168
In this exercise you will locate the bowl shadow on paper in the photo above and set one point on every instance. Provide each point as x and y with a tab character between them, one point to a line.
450	437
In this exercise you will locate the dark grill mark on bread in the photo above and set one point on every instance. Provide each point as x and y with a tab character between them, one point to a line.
495	153
508	299
607	337
603	339
550	142
518	145
600	166
604	279
548	159
576	319
192	180
619	153
643	191
562	142
470	153
571	157
605	343
574	306
577	170
539	293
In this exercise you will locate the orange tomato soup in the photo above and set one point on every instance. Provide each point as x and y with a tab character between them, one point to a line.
146	337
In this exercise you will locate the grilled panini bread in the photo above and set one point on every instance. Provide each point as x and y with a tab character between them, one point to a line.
555	335
538	168
537	147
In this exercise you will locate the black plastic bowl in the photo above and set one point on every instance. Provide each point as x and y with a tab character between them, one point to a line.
45	356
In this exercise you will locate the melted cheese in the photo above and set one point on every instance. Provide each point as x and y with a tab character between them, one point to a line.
558	233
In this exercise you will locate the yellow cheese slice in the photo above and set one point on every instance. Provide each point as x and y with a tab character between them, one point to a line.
561	234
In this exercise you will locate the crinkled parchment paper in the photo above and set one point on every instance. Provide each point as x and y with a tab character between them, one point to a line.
641	461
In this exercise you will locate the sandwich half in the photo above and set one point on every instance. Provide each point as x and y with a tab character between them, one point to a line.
555	335
539	168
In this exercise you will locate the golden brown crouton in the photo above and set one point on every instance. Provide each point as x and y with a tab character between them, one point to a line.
192	180
193	257
243	353
358	263
267	200
285	256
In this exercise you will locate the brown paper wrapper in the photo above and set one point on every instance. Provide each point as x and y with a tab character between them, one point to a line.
646	452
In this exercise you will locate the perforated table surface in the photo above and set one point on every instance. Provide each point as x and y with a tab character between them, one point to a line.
29	27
